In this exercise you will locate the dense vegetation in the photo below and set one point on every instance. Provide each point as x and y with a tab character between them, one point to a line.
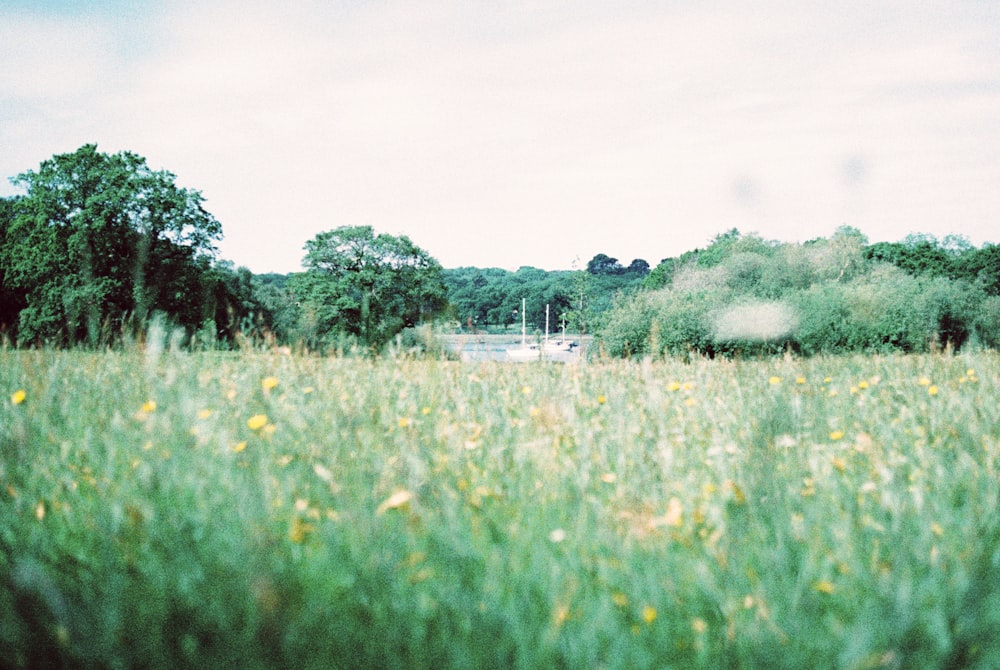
99	244
743	294
172	510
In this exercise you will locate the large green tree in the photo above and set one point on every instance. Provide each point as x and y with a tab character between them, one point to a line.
99	241
365	286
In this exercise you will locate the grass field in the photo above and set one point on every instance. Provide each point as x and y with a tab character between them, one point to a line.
255	510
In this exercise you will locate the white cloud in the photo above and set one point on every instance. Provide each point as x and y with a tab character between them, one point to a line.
532	133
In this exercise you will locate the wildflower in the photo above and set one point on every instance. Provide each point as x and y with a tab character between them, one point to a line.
932	389
839	463
268	383
403	422
601	399
526	390
862	384
18	396
738	496
609	478
204	413
824	586
674	386
924	381
149	406
299	530
397	500
239	446
698	625
557	536
257	421
619	599
774	380
837	435
649	614
40	510
800	380
827	380
425	410
937	529
675	513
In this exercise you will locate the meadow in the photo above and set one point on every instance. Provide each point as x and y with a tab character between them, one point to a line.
167	509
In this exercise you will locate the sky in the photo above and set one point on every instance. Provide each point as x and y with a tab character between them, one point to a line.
541	133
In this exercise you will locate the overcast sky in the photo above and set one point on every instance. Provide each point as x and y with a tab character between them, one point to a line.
525	132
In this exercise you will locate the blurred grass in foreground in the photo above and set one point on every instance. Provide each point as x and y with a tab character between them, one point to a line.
256	510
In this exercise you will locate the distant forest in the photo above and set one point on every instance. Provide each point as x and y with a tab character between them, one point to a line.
100	245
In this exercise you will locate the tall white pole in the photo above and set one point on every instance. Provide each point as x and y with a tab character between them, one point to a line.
524	327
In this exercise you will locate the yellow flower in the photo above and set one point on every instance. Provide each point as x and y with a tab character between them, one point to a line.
204	413
619	599
824	586
649	614
674	386
800	380
239	446
149	406
774	380
18	396
924	381
403	422
268	383
837	435
863	384
257	421
932	389
299	530
601	399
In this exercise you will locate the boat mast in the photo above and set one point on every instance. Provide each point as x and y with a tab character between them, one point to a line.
546	324
524	327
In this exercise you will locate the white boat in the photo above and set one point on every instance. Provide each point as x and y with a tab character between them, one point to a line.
534	352
526	352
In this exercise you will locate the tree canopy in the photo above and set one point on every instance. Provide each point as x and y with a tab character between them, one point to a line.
98	242
365	286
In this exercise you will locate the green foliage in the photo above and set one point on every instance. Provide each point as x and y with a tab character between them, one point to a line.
825	296
365	286
99	242
163	509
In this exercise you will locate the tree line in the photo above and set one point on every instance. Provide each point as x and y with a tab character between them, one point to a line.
743	295
97	245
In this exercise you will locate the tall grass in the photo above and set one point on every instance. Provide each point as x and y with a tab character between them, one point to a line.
162	509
